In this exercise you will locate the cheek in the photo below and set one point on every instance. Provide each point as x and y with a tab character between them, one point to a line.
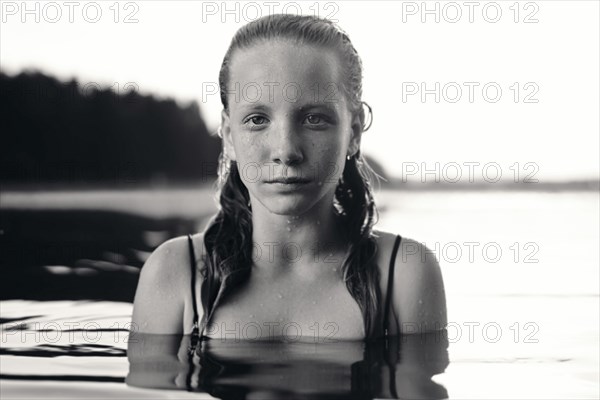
330	164
248	147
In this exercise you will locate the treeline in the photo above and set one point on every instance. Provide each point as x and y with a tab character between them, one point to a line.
61	132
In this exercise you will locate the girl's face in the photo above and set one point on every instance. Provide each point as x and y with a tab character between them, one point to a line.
288	127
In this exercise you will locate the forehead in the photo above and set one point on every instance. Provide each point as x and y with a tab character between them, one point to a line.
278	71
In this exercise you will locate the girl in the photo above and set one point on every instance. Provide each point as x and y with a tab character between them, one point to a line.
292	252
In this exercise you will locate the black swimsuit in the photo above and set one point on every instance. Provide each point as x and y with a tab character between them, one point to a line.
196	334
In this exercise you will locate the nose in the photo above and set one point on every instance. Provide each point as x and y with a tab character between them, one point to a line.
287	149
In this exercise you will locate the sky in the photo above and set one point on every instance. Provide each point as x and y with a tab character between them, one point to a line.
481	90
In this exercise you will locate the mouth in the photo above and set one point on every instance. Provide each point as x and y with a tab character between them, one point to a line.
289	181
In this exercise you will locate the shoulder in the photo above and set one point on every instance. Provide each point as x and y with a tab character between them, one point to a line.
161	295
170	262
418	296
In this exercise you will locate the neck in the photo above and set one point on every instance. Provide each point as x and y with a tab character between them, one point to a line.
303	244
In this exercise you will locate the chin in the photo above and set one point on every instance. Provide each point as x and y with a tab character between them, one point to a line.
292	202
289	206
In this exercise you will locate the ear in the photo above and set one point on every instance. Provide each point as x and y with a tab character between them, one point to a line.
226	134
356	134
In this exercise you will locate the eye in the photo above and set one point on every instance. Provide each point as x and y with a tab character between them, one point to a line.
256	121
316	120
313	119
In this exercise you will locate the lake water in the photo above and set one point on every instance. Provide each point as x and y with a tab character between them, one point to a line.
522	283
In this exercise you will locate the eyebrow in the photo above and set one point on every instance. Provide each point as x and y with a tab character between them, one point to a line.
311	106
255	107
304	108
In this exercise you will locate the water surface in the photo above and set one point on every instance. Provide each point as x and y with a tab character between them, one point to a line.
518	328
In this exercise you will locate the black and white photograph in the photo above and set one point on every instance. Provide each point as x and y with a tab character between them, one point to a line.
300	200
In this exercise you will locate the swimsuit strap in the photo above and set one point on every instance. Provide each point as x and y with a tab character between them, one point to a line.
386	352
194	268
390	285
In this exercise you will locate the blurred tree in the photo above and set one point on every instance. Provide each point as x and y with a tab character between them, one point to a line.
60	132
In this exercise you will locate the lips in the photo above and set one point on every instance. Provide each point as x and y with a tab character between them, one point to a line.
289	180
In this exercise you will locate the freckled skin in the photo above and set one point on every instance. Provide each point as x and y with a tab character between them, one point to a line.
286	138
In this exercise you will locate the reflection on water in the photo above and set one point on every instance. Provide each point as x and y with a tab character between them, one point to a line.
79	254
77	349
400	367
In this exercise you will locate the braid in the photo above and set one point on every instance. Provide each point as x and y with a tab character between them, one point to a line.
354	200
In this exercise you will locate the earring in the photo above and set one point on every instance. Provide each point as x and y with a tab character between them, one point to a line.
348	157
366	127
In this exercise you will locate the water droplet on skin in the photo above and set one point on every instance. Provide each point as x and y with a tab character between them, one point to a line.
335	270
251	315
314	302
279	295
289	222
420	301
289	229
330	297
261	304
319	183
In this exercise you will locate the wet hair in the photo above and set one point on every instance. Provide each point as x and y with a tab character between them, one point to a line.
228	236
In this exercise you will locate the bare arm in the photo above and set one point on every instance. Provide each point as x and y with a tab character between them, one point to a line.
419	295
159	302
